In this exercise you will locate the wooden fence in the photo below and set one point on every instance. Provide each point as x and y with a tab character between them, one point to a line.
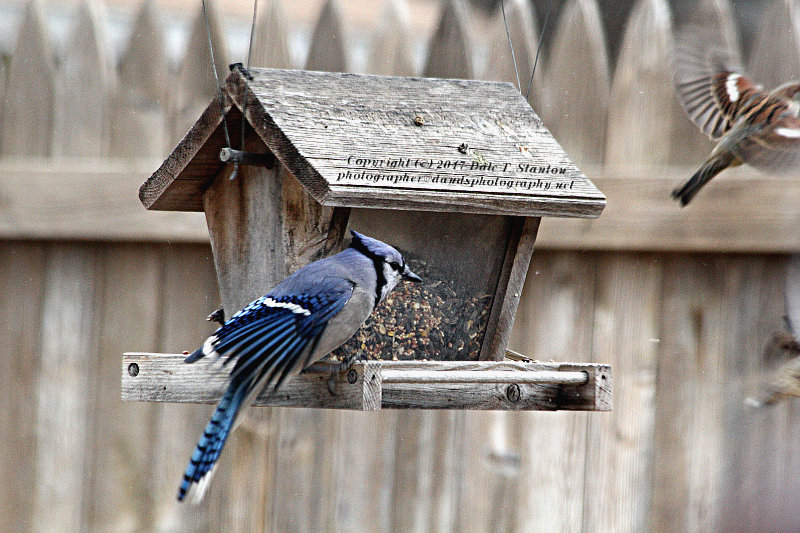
680	301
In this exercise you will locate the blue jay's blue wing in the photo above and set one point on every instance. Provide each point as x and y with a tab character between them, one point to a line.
267	340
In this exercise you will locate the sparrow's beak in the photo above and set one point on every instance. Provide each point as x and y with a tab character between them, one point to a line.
409	276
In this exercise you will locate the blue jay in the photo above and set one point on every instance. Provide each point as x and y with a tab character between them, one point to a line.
305	317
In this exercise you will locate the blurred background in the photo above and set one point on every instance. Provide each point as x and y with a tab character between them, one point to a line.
682	302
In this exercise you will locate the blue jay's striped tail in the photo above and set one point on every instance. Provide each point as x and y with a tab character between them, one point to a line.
203	461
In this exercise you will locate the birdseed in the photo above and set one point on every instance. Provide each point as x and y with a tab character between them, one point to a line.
432	319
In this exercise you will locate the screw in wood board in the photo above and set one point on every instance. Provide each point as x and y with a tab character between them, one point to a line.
513	393
419	121
133	369
352	377
463	148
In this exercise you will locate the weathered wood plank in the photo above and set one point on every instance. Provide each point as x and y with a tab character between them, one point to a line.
22	281
329	49
744	211
555	320
619	444
72	289
195	85
270	42
122	438
524	38
390	50
545	386
450	48
188	290
642	90
575	91
26	126
82	123
86	200
139	104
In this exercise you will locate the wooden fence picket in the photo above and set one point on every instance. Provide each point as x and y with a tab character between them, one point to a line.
271	42
81	125
524	37
329	50
26	125
642	108
450	48
576	87
139	100
390	50
194	86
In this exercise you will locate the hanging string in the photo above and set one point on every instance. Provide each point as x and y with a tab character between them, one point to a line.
216	77
539	49
510	44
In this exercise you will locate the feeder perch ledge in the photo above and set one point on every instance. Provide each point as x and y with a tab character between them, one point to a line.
373	385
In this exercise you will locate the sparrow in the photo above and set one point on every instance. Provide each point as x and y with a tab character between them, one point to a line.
753	126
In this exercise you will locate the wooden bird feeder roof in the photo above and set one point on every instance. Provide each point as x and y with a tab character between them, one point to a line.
357	140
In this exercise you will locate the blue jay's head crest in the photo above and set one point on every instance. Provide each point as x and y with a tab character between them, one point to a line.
390	266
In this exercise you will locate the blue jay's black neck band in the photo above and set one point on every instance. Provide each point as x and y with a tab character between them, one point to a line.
377	262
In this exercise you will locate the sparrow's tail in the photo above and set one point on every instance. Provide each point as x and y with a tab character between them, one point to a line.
203	461
713	166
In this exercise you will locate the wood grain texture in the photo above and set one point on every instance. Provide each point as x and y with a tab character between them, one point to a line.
81	125
341	159
642	109
555	320
744	211
68	353
328	50
740	211
122	438
164	378
22	282
575	98
85	200
619	445
195	85
450	48
270	42
26	126
524	38
390	50
138	103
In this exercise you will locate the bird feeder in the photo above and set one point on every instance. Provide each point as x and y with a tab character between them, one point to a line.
456	174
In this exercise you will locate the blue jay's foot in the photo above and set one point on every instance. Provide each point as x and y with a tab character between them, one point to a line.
217	316
341	367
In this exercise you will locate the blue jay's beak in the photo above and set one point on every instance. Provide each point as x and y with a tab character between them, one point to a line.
409	276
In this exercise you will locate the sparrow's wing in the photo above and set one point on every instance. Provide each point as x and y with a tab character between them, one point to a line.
709	82
773	148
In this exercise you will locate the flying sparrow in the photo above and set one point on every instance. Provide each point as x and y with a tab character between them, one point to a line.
753	126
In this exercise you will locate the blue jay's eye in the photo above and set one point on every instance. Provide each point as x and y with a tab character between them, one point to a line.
395	265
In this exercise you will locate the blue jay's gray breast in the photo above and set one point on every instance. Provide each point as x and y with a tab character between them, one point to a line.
342	326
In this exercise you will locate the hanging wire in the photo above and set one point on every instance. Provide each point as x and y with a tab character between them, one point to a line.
249	53
510	45
216	77
539	49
